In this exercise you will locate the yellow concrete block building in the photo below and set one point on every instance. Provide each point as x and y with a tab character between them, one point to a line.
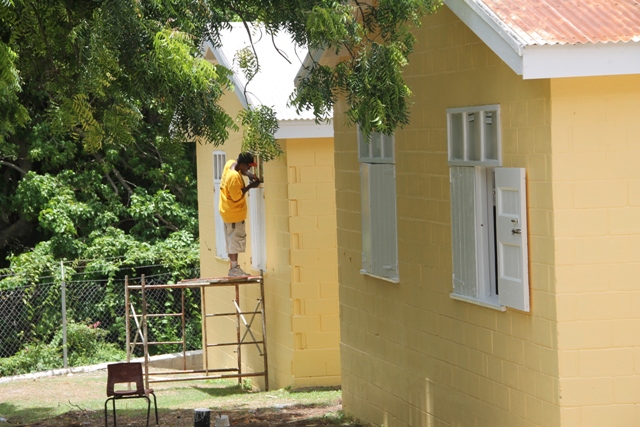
489	252
291	229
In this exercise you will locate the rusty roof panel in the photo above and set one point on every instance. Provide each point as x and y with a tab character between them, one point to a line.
539	22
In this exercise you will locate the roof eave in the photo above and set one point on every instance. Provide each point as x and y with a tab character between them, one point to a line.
305	128
581	60
238	87
313	56
493	32
534	61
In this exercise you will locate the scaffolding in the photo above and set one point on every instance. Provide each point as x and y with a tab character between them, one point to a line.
242	339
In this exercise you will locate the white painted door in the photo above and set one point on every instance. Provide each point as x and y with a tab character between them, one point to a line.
511	228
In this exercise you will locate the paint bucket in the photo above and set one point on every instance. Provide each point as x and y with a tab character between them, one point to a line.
202	417
222	421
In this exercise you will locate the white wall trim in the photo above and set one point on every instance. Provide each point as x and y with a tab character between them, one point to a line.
581	60
303	129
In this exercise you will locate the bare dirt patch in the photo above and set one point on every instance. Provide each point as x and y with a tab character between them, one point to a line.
78	401
294	416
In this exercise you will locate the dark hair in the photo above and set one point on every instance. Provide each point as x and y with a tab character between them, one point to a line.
245	158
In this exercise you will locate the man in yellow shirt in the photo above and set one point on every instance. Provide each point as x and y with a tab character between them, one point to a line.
233	206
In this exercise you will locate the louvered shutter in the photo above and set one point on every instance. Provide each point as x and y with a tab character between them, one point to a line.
379	220
219	159
464	238
511	229
258	229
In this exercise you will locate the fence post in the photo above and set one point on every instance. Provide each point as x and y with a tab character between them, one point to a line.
63	297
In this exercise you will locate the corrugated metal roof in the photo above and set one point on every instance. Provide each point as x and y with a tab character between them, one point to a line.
273	85
540	22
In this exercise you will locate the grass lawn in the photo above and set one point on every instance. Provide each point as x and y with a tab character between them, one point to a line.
78	400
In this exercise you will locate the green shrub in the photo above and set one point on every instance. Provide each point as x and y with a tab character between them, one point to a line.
32	358
85	346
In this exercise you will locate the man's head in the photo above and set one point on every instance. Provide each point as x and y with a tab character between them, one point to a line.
246	159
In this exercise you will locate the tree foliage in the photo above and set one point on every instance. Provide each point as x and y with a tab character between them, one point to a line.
100	101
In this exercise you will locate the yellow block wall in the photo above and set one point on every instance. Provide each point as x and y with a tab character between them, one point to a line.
596	195
301	287
278	276
411	355
314	262
218	300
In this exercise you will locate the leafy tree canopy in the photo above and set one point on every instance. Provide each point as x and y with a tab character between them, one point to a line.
98	97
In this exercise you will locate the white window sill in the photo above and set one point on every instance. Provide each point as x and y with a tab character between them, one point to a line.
386	279
487	304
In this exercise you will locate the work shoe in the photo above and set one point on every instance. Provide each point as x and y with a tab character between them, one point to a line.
237	272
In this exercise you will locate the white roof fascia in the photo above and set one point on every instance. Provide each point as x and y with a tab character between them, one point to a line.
312	56
238	87
543	61
303	129
581	60
488	27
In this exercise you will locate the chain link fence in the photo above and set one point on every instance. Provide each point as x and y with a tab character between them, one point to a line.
170	327
33	313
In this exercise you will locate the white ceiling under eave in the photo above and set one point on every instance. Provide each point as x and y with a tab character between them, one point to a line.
539	61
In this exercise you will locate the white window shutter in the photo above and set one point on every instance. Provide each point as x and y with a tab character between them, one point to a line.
464	239
219	159
258	229
379	220
365	194
511	230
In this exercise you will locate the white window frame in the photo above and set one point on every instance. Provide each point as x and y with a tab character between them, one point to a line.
470	144
379	148
258	229
378	206
219	159
488	215
257	221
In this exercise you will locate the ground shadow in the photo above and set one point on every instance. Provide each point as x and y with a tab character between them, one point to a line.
214	391
17	416
310	389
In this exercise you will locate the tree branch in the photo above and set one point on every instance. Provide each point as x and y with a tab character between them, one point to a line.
15	231
122	181
169	225
11	165
113	184
44	37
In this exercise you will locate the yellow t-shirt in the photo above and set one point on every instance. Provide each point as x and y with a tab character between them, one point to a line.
233	205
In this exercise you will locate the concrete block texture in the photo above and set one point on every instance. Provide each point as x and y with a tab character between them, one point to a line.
412	356
301	259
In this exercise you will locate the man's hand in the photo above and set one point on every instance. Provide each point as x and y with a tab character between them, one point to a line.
255	182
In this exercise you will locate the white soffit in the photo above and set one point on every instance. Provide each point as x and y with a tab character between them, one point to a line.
535	61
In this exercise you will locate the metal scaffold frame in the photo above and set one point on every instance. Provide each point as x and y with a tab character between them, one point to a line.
141	319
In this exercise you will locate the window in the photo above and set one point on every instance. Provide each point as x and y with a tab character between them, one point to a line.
258	224
378	203
219	159
474	136
488	213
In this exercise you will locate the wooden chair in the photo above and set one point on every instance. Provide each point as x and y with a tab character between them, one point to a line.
118	373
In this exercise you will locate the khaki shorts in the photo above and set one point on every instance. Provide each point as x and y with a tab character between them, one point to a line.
235	236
